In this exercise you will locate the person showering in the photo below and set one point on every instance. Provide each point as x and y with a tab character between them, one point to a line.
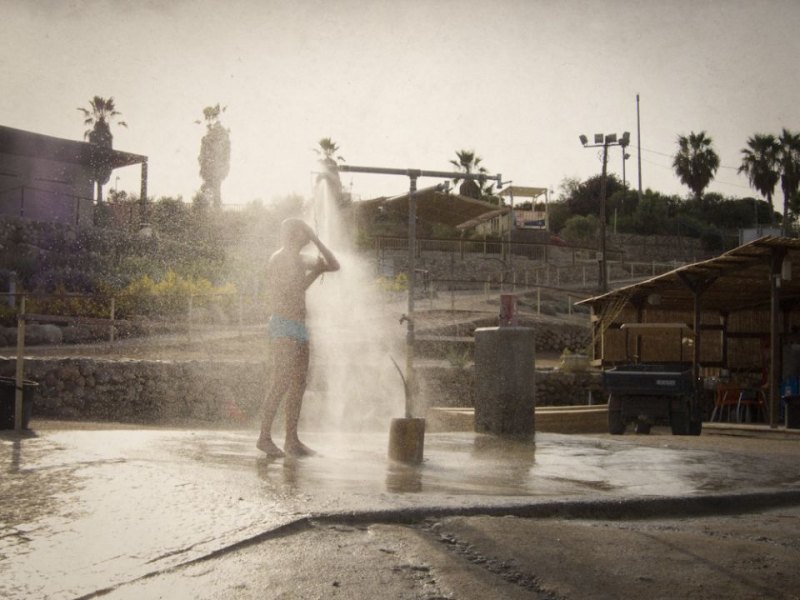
289	274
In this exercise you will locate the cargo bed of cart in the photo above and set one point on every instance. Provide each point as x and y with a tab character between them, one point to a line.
647	394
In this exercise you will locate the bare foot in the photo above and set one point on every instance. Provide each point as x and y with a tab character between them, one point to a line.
268	447
297	448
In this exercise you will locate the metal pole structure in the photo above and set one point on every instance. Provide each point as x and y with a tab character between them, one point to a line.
511	223
604	141
639	147
412	276
413	175
624	181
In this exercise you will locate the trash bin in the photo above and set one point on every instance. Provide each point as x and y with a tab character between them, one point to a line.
792	412
8	398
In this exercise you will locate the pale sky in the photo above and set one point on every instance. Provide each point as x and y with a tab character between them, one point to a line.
405	83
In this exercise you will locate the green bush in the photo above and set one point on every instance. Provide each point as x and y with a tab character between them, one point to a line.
399	283
64	303
169	297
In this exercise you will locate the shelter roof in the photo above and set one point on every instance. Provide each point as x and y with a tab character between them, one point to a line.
519	191
438	207
18	142
737	280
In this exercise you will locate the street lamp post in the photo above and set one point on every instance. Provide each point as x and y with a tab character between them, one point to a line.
604	141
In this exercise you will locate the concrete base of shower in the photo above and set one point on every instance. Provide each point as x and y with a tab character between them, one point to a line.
551	419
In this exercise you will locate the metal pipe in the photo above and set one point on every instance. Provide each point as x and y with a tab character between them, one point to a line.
439	187
416	173
412	276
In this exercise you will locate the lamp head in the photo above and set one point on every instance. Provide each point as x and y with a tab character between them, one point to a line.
584	140
598	138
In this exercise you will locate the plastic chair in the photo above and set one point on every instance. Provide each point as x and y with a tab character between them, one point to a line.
751	398
726	397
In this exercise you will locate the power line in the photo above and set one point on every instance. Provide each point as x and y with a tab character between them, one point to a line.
672	155
669	168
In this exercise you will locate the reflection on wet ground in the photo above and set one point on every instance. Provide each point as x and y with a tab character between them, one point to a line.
80	509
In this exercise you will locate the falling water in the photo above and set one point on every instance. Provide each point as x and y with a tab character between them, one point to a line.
353	385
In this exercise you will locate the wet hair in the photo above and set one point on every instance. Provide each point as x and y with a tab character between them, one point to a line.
292	229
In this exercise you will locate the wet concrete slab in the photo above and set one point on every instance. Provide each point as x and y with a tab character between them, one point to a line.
82	510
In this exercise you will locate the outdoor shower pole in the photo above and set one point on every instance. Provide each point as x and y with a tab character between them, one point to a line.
412	271
413	175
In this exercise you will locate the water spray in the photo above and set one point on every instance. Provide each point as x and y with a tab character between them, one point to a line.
407	435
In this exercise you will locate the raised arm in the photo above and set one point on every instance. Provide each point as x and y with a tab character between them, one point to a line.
331	264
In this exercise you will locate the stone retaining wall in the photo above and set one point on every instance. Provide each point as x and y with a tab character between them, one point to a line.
148	391
145	391
449	386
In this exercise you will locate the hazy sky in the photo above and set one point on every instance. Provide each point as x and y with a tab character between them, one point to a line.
404	84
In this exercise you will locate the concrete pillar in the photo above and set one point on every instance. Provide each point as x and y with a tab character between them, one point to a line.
505	395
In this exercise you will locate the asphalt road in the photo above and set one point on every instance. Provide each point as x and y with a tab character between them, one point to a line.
97	510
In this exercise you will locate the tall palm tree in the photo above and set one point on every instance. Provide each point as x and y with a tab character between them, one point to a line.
789	160
760	164
696	162
328	161
98	117
215	156
469	163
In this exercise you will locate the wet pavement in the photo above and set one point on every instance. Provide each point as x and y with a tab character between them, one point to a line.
85	509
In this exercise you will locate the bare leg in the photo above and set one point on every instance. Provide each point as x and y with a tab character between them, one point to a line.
281	380
294	401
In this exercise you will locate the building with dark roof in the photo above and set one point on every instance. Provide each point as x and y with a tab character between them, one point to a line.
50	179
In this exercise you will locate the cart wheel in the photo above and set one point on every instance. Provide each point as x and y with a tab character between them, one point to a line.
616	426
642	427
679	422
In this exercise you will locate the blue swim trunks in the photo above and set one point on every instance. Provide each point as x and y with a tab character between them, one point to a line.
280	327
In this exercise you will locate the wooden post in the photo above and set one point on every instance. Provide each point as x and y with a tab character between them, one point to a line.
111	328
241	313
775	338
189	318
20	373
538	300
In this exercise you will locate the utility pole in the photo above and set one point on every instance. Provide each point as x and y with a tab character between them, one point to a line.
603	278
639	146
604	141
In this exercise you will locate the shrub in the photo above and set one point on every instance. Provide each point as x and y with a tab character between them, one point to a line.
170	297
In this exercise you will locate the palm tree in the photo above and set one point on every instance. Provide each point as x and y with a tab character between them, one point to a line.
469	163
327	149
789	160
328	161
760	164
215	156
99	118
696	162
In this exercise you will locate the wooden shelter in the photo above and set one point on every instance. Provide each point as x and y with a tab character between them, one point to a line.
743	307
50	179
